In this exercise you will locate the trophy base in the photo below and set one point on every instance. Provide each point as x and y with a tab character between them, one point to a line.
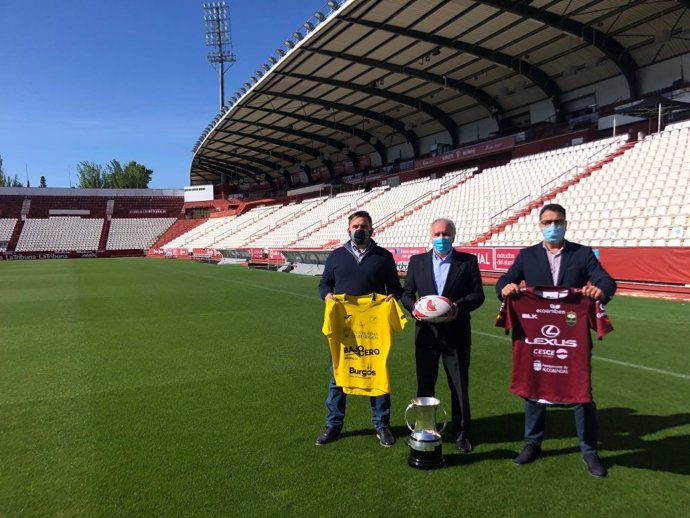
432	459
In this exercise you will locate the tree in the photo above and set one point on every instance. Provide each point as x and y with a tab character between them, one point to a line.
6	181
137	175
42	183
113	175
91	175
3	178
15	182
132	176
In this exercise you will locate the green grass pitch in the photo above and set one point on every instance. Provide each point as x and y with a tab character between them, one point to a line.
134	387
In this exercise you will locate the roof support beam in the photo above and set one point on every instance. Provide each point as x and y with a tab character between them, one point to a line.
424	107
476	93
302	134
365	136
409	135
229	167
271	166
605	43
272	154
544	81
314	153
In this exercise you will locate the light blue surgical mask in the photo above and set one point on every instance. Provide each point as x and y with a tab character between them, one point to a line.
554	234
442	245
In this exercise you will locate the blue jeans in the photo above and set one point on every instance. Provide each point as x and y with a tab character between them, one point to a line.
585	424
335	404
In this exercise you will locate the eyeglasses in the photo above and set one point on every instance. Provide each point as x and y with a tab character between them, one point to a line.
557	222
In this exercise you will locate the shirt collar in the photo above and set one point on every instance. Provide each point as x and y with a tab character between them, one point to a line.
437	258
560	250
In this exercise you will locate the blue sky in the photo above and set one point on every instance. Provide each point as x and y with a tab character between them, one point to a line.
125	79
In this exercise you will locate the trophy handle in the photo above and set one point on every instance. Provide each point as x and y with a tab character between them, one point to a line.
445	418
406	421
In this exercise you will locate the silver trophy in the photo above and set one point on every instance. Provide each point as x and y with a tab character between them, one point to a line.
425	441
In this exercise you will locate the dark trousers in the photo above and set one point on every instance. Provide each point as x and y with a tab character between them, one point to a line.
585	424
456	362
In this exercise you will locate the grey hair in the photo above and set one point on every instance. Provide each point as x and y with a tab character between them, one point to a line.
448	222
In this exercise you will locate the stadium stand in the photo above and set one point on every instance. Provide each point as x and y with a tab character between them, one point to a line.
642	196
64	233
6	228
133	233
107	221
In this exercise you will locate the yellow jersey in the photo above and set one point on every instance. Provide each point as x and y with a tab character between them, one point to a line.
359	331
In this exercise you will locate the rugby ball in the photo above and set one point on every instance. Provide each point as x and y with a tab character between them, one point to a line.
434	309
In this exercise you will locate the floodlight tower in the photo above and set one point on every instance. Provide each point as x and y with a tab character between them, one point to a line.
217	30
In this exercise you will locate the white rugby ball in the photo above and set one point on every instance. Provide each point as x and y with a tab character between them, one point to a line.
433	309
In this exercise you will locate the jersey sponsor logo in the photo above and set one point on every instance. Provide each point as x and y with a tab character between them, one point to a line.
552	311
360	350
362	373
539	366
561	354
540	340
530	316
555	369
550	331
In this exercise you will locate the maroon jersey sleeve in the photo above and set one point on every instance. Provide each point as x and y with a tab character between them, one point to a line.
598	319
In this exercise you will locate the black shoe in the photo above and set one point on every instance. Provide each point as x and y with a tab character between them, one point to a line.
594	465
385	436
463	444
530	452
330	434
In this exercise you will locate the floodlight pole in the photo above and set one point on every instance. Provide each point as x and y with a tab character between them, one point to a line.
217	31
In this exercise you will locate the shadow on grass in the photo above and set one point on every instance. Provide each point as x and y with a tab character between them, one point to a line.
626	437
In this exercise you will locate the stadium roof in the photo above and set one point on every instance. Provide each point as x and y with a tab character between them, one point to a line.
372	74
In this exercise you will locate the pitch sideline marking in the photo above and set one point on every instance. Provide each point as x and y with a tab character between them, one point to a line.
617	362
498	337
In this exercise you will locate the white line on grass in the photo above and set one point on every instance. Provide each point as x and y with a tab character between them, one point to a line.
497	337
617	362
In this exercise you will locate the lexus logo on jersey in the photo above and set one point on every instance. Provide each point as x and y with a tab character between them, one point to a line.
550	331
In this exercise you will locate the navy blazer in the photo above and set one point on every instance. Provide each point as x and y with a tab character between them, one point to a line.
578	266
463	286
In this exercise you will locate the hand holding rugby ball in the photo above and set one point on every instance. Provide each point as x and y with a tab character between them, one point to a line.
434	309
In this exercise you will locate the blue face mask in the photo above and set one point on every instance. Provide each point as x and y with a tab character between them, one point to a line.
554	233
442	245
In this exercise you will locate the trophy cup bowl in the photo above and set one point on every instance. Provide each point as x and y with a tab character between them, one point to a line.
425	441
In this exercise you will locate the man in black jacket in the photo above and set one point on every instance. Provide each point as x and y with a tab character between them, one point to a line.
455	275
359	267
557	262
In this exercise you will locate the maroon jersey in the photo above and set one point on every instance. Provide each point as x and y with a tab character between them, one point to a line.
552	343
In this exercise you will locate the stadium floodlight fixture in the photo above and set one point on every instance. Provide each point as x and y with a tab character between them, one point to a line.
218	36
247	85
333	4
319	16
289	43
266	67
273	60
280	52
309	26
297	35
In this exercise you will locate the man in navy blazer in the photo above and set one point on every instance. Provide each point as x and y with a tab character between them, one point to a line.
455	275
557	262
